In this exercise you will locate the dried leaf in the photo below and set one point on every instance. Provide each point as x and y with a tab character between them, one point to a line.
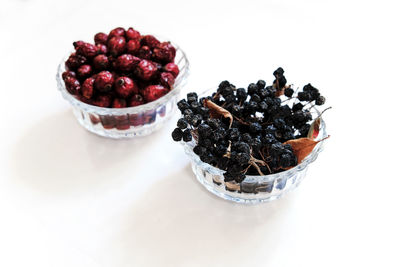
314	129
217	111
302	147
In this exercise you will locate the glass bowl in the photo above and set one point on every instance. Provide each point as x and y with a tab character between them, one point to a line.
253	189
127	122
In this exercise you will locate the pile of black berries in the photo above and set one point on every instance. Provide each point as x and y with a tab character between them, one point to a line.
264	117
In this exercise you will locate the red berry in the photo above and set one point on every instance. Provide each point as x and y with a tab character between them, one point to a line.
144	52
101	49
72	85
150	41
94	118
100	38
84	71
104	81
136	100
85	49
116	45
74	61
172	68
133	46
149	116
131	34
145	70
119	103
154	92
126	62
167	79
100	62
87	88
116	32
67	74
125	87
103	101
108	121
136	119
164	52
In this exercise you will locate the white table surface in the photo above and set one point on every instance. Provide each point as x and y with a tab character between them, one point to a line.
70	198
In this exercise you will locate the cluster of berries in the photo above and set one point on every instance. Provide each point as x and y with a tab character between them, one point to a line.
244	131
122	69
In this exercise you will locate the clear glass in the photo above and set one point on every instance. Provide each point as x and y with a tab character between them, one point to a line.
128	122
253	189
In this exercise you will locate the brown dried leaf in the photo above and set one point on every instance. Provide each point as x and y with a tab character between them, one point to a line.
217	111
302	147
314	129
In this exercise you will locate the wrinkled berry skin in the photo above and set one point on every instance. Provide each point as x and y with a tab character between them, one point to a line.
118	103
101	38
172	68
119	31
126	63
145	70
74	61
125	87
164	52
144	52
72	84
167	80
85	49
104	81
150	41
101	49
67	74
103	101
101	62
154	92
117	45
88	88
84	71
133	46
132	34
136	100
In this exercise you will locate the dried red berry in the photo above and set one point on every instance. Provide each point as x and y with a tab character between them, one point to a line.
133	46
116	32
125	87
88	88
74	61
136	100
103	101
116	45
154	92
132	34
84	71
144	52
100	62
126	63
149	116
101	49
167	79
67	74
145	70
172	68
104	81
100	38
150	41
122	122
164	52
119	103
85	49
72	85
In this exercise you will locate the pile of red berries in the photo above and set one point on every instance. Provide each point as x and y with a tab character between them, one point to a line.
121	69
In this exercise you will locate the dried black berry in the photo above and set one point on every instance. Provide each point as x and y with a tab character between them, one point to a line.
177	134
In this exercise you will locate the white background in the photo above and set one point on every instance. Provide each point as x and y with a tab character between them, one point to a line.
70	198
